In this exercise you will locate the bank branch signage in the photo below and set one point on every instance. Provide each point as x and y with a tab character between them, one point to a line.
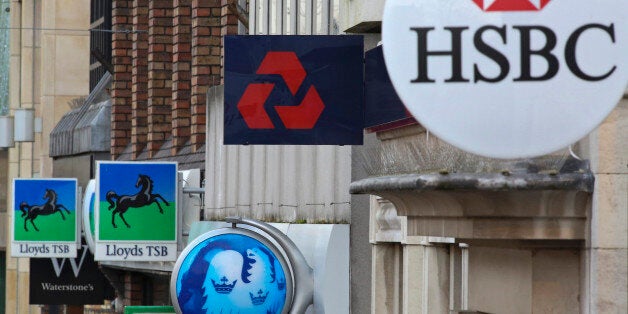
89	220
293	90
508	78
238	270
136	211
45	218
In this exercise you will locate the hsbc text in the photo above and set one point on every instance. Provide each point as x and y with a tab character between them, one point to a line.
546	53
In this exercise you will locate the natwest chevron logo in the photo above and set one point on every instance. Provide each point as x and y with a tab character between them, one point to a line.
511	5
287	65
293	90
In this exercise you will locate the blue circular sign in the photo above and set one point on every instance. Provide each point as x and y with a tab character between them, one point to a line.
231	270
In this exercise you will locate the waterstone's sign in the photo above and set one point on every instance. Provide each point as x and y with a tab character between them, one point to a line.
508	78
44	218
68	280
136	211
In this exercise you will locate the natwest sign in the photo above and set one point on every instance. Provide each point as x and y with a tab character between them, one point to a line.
303	90
508	79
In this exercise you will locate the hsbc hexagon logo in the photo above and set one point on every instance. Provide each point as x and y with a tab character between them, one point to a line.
305	90
287	65
511	5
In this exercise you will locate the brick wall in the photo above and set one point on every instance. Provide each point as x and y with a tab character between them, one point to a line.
121	86
133	285
163	68
139	73
229	26
205	62
181	73
161	290
160	14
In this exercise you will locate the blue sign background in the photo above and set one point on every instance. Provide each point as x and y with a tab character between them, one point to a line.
333	64
32	192
245	263
382	102
121	177
38	223
147	219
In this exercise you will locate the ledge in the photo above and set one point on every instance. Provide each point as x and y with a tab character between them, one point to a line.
578	181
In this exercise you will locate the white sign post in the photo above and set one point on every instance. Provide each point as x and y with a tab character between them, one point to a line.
508	78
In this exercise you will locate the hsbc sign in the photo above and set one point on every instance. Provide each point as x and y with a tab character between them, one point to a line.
508	78
511	5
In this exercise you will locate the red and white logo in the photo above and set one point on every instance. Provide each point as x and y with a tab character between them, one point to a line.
511	5
507	78
287	65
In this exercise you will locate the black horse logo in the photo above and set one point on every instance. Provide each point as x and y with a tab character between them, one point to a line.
48	208
143	198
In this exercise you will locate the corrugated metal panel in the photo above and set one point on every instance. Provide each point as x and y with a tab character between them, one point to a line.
274	183
294	17
64	142
278	183
92	132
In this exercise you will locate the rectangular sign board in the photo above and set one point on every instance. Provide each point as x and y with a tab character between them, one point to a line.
148	309
68	280
45	218
383	108
136	211
302	90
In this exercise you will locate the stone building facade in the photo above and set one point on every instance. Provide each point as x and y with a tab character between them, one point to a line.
49	66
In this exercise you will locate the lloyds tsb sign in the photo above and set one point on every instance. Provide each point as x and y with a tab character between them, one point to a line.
508	78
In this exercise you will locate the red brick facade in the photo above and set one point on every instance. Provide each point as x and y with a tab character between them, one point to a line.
205	61
139	73
163	69
181	73
121	86
163	66
160	13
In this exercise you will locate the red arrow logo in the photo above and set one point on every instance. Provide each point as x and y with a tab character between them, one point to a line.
287	65
511	5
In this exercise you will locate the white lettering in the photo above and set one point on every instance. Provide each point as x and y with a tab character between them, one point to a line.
75	268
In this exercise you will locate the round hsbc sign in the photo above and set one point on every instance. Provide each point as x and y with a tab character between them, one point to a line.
508	78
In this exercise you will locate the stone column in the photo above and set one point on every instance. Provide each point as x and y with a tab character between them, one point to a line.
386	279
606	257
